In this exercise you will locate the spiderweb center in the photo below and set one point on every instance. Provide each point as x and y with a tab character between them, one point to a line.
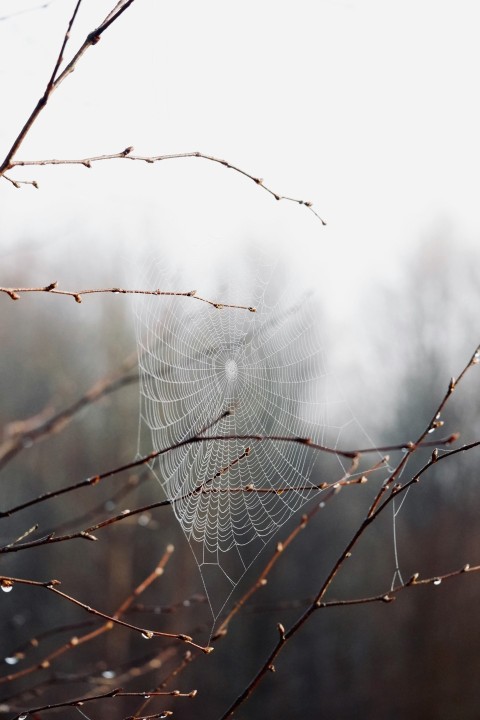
231	370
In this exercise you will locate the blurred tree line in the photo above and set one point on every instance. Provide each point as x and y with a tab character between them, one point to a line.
416	658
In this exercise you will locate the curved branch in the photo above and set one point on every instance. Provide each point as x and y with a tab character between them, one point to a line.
52	289
126	154
52	586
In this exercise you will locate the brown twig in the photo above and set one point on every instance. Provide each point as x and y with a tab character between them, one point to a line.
77	641
52	289
126	154
117	692
186	660
261	581
18	183
94	480
87	533
390	595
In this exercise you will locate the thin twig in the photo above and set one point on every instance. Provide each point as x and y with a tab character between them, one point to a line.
126	154
117	692
94	480
52	586
77	641
77	295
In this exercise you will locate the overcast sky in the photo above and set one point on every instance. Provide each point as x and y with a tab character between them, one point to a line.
367	108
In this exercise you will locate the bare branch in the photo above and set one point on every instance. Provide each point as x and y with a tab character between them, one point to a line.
52	586
126	154
385	597
77	641
77	295
117	692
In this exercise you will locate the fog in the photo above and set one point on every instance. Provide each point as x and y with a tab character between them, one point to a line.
365	109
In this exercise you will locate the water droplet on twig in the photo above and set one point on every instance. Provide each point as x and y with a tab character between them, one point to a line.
12	660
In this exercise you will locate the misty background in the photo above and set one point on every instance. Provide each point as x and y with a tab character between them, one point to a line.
367	109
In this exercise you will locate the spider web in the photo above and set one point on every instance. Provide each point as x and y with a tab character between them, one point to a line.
207	372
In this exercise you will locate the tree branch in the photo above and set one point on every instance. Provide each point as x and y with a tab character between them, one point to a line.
126	154
52	289
52	586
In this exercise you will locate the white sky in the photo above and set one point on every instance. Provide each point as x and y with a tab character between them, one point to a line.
368	108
